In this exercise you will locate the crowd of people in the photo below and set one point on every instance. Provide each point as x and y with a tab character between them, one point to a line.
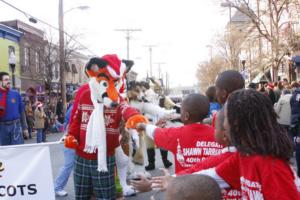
43	118
234	142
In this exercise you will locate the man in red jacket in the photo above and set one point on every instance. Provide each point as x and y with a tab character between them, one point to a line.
94	127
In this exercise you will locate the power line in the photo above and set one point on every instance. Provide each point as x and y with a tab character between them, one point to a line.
32	18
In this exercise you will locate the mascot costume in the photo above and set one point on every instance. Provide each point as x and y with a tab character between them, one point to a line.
148	105
94	129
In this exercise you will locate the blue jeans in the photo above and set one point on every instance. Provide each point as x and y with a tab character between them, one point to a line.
11	134
30	132
64	172
40	135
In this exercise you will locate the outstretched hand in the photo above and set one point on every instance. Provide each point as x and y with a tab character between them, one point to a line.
142	185
162	122
161	182
71	142
141	126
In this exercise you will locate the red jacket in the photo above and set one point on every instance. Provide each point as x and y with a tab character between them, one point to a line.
112	117
192	142
259	177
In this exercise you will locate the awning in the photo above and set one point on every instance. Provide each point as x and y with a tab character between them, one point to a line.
67	67
74	69
261	77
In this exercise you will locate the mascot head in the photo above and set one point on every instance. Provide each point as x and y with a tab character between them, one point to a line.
107	78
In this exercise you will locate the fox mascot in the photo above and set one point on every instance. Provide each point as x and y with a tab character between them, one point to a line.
94	129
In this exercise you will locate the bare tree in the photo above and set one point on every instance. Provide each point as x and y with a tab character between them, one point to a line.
269	18
230	45
208	71
50	58
51	61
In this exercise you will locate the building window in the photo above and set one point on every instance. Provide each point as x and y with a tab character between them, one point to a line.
11	49
67	67
11	56
37	62
26	59
56	71
74	69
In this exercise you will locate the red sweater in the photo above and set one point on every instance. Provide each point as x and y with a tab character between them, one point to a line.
112	117
76	100
190	144
259	177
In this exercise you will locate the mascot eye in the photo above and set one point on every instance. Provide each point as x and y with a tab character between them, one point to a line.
116	83
104	83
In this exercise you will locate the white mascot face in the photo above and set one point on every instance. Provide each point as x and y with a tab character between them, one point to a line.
105	91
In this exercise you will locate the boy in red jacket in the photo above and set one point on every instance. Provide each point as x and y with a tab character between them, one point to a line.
94	128
192	142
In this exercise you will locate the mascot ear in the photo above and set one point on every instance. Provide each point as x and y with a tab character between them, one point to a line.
93	66
129	64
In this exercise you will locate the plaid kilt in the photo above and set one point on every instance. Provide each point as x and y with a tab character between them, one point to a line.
88	180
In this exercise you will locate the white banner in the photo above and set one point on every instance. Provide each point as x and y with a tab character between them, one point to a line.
25	173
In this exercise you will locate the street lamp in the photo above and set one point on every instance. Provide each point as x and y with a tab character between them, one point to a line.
228	4
243	58
243	64
62	50
78	7
12	65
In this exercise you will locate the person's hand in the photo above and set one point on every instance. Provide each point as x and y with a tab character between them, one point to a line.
161	182
297	140
71	142
141	126
62	140
25	133
161	122
142	185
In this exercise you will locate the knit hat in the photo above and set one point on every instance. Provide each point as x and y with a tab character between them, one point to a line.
270	86
115	67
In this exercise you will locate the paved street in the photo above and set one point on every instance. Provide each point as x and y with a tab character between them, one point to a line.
57	161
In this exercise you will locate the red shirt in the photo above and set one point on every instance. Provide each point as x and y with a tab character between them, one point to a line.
112	117
211	162
190	144
208	163
259	177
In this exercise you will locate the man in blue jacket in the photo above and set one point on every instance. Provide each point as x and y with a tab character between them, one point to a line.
295	117
12	113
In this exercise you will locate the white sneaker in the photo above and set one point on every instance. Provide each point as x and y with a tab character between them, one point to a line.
61	193
128	191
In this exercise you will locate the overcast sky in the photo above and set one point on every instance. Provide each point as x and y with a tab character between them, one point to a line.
180	29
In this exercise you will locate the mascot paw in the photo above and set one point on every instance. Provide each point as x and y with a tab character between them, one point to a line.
71	142
128	191
134	120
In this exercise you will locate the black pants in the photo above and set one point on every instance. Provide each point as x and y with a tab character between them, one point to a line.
297	149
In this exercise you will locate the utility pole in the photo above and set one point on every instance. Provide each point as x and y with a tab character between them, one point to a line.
150	46
167	87
159	68
229	5
128	33
62	55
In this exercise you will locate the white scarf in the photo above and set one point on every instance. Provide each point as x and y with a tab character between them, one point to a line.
95	138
